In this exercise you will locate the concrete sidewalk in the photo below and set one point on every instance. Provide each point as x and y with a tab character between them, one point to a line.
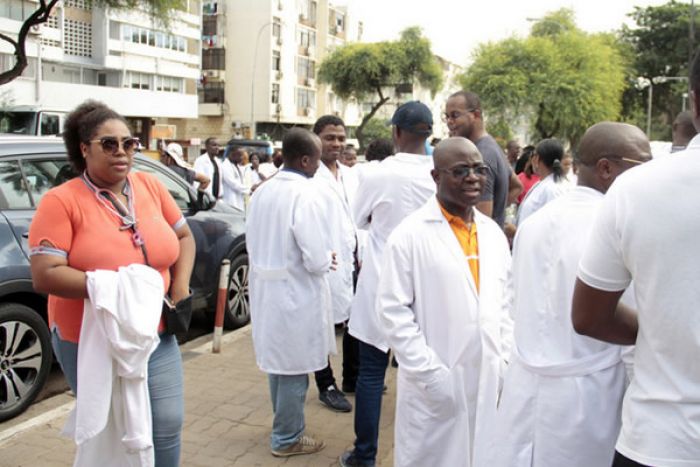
228	416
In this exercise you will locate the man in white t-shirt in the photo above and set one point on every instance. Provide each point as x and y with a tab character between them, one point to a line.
647	231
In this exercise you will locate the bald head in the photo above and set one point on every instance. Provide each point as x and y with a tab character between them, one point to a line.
452	150
607	149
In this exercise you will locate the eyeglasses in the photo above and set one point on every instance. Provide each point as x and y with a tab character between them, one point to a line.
613	158
455	114
110	144
464	171
626	159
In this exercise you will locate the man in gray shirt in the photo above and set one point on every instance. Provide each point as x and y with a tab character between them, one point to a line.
464	118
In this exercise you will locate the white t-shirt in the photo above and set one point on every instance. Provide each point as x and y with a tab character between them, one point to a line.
648	229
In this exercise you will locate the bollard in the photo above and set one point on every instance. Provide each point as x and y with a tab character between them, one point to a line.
220	306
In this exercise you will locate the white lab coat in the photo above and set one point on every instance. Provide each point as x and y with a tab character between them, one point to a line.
450	340
540	194
563	392
388	193
203	164
111	423
290	305
339	229
234	184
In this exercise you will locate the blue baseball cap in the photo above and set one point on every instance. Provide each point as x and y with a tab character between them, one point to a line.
414	117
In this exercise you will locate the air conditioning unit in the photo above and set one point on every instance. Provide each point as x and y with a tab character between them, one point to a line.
278	108
280	5
302	17
311	50
336	113
280	75
308	111
279	40
310	82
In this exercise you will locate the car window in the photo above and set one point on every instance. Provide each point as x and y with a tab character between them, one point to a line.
42	175
13	192
180	193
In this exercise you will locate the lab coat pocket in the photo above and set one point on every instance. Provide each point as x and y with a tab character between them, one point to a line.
440	393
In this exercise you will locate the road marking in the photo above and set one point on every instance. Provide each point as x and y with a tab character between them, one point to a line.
44	418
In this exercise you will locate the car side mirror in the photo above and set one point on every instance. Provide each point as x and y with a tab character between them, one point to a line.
204	201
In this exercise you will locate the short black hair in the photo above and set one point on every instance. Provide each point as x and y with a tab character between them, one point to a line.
80	127
326	120
298	142
209	140
379	149
472	99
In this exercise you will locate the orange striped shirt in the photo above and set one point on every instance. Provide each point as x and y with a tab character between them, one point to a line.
468	240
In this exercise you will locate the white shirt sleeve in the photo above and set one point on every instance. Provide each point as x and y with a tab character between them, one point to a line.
602	265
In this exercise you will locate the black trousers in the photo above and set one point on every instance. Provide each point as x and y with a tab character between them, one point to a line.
622	461
351	364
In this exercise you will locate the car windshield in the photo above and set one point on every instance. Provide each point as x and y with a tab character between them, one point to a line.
19	123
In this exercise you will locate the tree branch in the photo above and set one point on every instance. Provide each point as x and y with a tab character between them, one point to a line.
382	100
40	16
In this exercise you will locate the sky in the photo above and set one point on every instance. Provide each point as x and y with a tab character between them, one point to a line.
456	27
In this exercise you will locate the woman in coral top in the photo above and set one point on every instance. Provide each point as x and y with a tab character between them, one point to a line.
100	221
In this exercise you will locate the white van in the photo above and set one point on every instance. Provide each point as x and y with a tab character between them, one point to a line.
26	120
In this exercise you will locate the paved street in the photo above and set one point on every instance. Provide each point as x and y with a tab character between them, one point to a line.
227	416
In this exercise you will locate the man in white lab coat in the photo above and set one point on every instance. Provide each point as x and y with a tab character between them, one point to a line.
289	294
333	179
563	392
443	300
210	165
646	232
398	186
234	184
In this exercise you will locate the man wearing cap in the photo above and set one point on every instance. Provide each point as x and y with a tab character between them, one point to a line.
464	117
397	187
171	156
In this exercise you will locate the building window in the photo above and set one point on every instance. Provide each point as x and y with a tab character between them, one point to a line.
307	11
153	38
306	37
276	60
276	28
169	84
214	59
209	25
210	8
79	4
78	38
275	95
305	68
306	98
135	80
211	93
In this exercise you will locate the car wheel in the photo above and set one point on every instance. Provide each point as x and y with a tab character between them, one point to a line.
25	358
237	312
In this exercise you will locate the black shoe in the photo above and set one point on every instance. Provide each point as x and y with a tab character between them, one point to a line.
335	400
348	459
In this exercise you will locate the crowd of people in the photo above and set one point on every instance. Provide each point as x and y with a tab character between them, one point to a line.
541	305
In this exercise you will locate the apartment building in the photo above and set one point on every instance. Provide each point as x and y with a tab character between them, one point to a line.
145	70
259	66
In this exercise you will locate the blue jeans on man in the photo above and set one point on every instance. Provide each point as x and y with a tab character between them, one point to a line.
368	402
288	393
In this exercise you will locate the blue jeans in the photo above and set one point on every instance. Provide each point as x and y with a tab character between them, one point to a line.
165	385
368	401
288	393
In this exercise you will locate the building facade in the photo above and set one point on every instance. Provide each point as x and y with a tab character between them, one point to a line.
259	66
145	70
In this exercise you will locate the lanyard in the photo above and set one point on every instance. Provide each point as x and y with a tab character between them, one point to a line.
126	215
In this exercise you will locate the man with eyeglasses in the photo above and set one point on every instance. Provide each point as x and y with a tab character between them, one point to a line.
444	303
563	392
646	232
399	185
463	116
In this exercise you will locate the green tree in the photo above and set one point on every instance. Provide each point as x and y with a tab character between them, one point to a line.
375	128
559	79
158	9
366	71
658	46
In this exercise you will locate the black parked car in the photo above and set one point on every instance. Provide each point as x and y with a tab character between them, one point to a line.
29	167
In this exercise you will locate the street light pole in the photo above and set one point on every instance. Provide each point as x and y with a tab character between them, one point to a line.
650	94
252	81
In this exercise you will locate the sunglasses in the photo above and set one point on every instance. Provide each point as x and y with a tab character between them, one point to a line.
110	144
464	171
